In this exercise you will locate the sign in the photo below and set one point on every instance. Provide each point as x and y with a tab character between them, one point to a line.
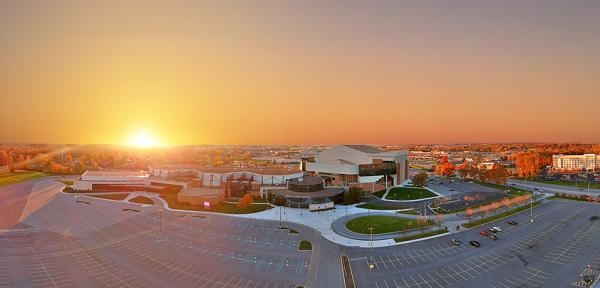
321	206
206	205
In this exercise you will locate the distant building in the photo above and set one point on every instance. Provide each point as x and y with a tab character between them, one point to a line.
588	162
357	165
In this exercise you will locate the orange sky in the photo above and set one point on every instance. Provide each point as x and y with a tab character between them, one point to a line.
299	72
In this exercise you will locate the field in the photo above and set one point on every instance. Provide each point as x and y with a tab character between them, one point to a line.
408	193
8	178
142	200
422	235
583	185
227	208
500	216
384	224
110	196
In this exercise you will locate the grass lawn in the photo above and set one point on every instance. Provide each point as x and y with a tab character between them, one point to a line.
228	208
379	194
67	182
583	185
422	235
377	207
383	224
110	196
512	190
142	200
409	193
501	215
571	198
305	245
7	178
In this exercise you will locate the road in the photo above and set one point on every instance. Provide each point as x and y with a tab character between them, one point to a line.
56	240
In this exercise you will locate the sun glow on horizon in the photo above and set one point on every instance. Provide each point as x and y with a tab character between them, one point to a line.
143	140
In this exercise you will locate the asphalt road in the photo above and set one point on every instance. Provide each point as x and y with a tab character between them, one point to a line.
57	241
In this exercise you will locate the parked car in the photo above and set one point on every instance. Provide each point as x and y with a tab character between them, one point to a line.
474	243
493	237
497	228
492	230
455	242
512	223
484	233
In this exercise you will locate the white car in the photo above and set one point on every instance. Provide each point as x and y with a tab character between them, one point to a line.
497	228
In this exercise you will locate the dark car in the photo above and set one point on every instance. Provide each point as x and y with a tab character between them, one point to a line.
512	223
474	243
493	237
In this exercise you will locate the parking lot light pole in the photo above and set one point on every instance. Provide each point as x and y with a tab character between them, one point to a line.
160	210
280	217
371	265
533	196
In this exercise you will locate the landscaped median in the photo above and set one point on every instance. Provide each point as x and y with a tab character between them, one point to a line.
420	236
409	193
385	224
227	208
500	216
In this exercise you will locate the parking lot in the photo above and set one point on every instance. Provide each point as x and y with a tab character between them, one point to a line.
98	243
551	251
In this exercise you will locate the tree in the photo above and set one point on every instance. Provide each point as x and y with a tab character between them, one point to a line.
498	174
420	179
354	195
447	169
246	201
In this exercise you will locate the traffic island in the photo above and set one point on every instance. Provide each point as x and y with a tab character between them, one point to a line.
305	245
421	235
380	224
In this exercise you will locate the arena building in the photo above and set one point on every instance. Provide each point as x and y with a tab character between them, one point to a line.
304	193
364	166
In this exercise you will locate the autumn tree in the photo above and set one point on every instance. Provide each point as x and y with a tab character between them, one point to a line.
420	179
246	201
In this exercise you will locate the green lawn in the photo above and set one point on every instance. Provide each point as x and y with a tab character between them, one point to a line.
409	193
512	190
228	208
422	235
142	200
8	178
383	224
379	194
110	196
583	185
501	215
305	245
377	207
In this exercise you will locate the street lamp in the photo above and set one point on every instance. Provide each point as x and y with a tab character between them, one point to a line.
371	265
533	196
160	210
280	226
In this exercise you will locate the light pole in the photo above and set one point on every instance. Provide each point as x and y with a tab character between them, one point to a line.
280	226
371	265
160	210
533	196
589	187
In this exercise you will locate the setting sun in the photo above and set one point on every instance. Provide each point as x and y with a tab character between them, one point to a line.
143	140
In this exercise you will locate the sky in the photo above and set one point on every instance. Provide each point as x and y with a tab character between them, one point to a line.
299	72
